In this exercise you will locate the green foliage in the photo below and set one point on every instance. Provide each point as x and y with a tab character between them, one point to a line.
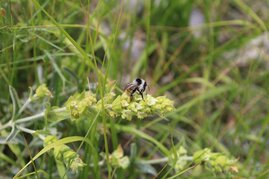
117	159
41	92
63	153
79	103
216	162
206	65
178	158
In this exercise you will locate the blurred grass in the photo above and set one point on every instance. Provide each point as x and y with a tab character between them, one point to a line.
220	103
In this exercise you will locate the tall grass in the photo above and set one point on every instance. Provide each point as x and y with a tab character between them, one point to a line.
220	91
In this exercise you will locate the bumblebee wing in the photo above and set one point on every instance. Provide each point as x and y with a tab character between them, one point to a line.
130	87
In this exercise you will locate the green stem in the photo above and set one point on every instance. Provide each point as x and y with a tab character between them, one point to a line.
154	161
30	118
29	131
24	106
163	160
8	124
38	116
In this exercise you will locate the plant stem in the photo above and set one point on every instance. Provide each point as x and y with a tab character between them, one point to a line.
37	116
30	131
163	160
154	161
8	124
24	106
30	118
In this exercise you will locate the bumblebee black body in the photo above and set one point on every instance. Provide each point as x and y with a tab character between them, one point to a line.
138	85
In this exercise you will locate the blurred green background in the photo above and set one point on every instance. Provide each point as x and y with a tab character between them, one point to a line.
209	57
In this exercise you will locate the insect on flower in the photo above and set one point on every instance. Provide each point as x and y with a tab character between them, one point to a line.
138	85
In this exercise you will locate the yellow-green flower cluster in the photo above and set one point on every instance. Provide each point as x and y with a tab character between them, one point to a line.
64	154
121	106
126	108
116	159
79	103
178	159
215	162
41	92
105	103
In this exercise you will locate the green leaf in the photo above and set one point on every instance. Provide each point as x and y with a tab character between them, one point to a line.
61	169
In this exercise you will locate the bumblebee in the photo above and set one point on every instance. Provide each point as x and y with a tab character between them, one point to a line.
138	85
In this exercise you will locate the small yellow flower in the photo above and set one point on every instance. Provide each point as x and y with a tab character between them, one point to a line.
41	92
79	103
215	162
127	114
124	103
177	159
117	158
150	101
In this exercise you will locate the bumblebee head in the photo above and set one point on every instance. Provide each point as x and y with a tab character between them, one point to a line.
141	84
138	81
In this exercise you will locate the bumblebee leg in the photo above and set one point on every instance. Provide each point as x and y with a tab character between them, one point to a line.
132	94
141	94
131	97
